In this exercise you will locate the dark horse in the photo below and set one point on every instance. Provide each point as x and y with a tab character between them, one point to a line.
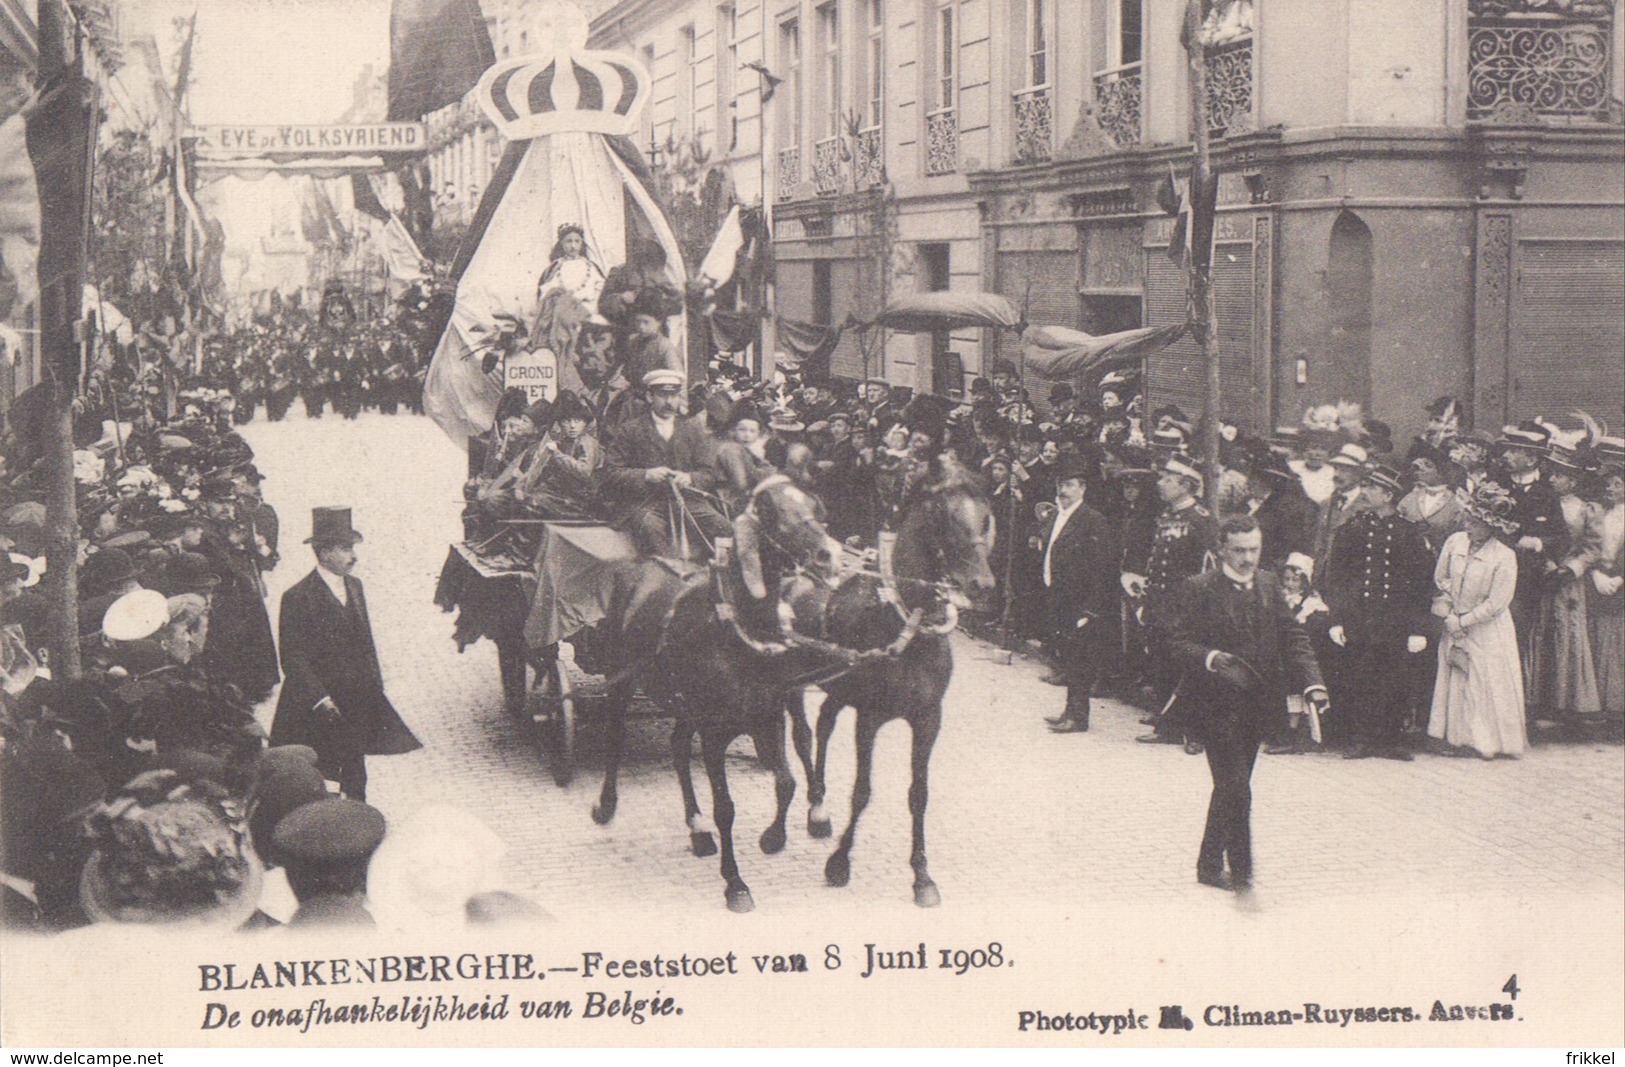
703	643
944	538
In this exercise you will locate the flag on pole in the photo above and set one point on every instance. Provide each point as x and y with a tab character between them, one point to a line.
719	263
437	51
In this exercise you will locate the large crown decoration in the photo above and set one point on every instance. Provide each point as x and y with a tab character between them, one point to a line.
572	90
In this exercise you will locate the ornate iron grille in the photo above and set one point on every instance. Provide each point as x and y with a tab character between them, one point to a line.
826	173
941	143
868	166
789	172
1117	105
1230	88
1032	126
1526	70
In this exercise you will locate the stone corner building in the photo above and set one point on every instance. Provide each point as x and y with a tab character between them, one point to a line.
1419	197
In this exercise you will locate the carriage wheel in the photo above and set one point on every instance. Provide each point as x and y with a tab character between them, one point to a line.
553	720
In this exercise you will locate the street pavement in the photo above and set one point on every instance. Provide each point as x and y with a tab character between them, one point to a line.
1017	815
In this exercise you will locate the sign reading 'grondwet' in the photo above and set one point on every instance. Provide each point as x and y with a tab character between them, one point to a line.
338	140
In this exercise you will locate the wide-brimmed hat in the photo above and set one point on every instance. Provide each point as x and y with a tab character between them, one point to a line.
1489	503
1352	455
169	856
1529	435
785	422
136	615
331	526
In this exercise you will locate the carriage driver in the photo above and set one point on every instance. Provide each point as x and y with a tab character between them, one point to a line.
656	458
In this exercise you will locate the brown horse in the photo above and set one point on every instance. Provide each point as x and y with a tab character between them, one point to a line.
944	538
712	658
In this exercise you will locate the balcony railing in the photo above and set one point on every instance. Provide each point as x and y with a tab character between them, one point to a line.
826	174
869	163
1118	94
1230	88
789	173
1535	67
941	142
1033	139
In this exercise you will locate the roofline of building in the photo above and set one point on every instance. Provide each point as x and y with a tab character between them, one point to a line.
617	16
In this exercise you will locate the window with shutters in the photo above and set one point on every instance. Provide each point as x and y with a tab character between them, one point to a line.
1533	61
1568	330
688	97
727	61
1176	375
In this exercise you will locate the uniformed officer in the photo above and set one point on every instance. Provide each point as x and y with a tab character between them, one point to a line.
1378	582
1181	548
1541	536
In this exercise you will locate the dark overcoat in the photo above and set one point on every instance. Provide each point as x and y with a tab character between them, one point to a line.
328	651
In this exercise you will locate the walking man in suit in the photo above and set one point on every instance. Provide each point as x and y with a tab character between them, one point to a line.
333	690
1080	587
1242	651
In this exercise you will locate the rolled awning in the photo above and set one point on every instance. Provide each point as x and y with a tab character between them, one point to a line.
1057	352
925	312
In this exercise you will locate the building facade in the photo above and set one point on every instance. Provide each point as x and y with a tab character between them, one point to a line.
1418	197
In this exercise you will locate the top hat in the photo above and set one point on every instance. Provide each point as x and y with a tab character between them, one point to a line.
331	526
1069	465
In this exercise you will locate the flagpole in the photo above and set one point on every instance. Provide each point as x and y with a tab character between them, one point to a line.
770	328
1202	201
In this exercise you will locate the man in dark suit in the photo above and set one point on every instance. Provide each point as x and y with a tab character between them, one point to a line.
656	458
333	690
1080	559
1242	651
1285	514
1541	537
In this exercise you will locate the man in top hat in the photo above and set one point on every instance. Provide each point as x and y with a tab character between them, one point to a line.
1079	568
333	689
1180	548
1378	582
1285	514
657	458
1540	537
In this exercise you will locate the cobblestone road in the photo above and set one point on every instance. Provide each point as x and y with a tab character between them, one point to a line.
1017	814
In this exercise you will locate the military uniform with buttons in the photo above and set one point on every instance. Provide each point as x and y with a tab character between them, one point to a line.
1180	548
1379	583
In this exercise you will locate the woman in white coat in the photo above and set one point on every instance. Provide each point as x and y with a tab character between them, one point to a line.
1478	695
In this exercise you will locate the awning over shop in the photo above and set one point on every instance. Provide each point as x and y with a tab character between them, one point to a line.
924	312
1057	352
